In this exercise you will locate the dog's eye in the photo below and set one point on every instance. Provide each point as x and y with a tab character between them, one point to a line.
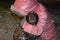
32	18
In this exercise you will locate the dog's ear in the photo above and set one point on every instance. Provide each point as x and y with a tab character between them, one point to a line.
32	18
30	36
18	33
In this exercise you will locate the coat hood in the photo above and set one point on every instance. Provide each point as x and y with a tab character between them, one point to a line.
24	6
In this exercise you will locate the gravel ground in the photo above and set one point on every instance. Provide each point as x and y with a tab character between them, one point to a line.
7	25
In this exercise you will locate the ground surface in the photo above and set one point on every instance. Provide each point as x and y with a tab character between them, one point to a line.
7	25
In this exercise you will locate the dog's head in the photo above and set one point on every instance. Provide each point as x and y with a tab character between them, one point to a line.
32	18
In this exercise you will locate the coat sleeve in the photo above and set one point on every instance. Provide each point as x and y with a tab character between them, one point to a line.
36	29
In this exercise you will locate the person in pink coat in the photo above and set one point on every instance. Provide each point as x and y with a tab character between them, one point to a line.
37	20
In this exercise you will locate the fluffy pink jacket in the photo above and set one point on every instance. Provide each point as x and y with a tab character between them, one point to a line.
45	27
